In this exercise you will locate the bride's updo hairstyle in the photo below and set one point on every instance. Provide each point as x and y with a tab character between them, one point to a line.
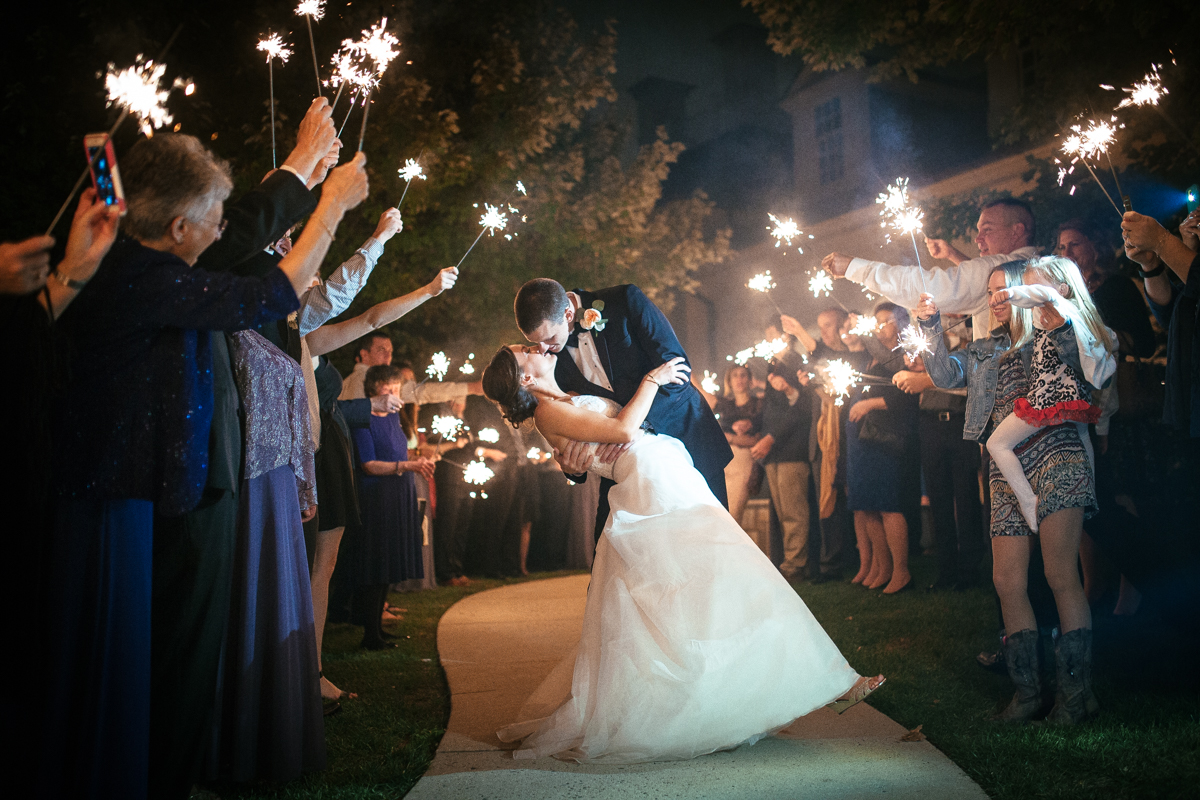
502	385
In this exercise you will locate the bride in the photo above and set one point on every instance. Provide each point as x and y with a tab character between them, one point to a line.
692	641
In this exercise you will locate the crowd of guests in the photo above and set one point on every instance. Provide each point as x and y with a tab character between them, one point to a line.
191	461
189	464
1111	470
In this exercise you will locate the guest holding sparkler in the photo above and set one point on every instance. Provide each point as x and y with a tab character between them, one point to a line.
375	350
387	548
787	448
1006	233
880	426
1056	463
835	342
139	447
739	411
950	466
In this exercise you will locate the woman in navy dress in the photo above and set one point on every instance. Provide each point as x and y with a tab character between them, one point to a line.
387	547
876	471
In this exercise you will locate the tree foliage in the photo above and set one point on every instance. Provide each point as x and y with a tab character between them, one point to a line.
494	93
1065	49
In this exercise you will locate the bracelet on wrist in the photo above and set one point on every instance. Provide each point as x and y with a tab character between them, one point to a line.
656	383
67	281
1154	273
321	222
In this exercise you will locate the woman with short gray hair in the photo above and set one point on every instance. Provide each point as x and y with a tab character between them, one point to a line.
132	439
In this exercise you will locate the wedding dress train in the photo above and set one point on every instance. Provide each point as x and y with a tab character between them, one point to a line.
692	641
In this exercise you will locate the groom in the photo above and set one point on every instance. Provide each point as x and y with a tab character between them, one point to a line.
607	341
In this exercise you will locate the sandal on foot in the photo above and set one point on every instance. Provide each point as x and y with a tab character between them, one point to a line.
858	692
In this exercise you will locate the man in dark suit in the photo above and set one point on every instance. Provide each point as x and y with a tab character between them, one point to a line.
612	338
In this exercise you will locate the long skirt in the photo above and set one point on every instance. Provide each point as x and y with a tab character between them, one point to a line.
97	724
268	723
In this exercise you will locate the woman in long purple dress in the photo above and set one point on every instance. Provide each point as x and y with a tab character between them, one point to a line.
269	722
387	548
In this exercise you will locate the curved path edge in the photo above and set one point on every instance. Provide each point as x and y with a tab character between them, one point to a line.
498	645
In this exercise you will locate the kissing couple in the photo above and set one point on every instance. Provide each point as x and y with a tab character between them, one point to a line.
692	641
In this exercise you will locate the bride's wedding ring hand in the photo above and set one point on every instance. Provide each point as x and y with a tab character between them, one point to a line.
674	371
608	453
574	457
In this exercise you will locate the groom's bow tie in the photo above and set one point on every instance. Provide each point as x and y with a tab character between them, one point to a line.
573	339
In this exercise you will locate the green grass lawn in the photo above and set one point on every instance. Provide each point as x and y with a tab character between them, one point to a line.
1145	744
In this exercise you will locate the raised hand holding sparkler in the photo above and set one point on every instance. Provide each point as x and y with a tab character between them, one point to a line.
275	48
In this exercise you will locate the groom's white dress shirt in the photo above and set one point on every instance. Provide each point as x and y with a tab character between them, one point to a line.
588	360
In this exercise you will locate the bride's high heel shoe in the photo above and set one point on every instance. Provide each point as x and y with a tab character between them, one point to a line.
861	689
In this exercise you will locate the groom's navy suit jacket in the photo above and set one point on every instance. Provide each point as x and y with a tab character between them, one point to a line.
637	338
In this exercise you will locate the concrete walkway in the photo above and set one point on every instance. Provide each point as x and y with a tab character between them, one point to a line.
497	646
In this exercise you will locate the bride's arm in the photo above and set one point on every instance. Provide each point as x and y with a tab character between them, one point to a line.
565	420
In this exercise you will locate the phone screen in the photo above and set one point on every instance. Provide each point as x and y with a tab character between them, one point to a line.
106	178
102	171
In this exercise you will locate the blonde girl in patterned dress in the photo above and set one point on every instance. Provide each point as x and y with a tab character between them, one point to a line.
1059	394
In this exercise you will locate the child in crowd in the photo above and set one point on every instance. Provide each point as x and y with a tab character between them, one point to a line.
1056	291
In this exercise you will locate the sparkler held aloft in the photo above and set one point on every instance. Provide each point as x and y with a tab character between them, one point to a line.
310	10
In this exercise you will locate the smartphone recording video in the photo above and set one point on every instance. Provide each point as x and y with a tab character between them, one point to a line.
106	178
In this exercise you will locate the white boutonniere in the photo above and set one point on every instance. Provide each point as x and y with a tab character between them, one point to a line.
592	319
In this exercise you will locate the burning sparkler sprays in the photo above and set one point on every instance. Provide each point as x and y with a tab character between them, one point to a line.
495	218
838	378
766	350
136	90
410	170
1091	142
350	64
1149	92
274	47
785	230
310	10
902	217
764	283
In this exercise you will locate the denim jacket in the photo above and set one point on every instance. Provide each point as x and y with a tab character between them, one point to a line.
977	367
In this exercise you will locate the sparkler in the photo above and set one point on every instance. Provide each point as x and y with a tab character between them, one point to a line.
785	230
838	377
136	89
468	368
126	100
537	454
903	217
494	220
864	326
275	48
763	282
914	342
310	10
439	365
766	350
1146	92
710	383
446	427
411	169
1091	142
821	282
376	45
477	473
490	435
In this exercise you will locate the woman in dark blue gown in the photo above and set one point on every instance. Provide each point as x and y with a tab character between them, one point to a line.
386	549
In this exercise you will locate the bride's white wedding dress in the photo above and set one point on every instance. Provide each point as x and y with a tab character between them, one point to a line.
692	641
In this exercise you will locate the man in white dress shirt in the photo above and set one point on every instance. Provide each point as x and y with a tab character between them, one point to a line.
1006	231
376	350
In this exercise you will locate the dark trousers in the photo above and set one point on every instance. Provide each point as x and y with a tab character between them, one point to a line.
715	478
192	574
452	524
951	466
